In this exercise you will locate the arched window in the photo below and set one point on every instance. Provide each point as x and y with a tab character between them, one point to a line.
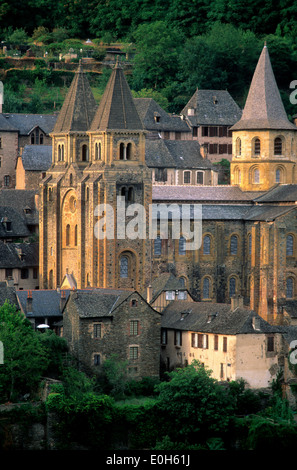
182	283
206	288
129	151
206	245
238	146
182	246
98	151
278	146
256	176
122	152
124	267
290	245
85	153
257	147
250	244
237	173
278	175
232	286
75	235
130	195
70	179
233	245
157	246
289	288
67	235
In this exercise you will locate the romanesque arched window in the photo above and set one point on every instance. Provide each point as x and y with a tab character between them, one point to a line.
232	286
278	146
206	288
256	178
67	235
289	288
238	146
206	245
250	244
157	246
290	245
129	151
85	153
182	246
98	151
233	245
257	146
124	265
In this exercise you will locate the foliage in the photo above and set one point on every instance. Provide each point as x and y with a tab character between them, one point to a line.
155	95
196	405
55	348
114	376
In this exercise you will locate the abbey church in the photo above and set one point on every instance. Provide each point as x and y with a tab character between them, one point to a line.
249	228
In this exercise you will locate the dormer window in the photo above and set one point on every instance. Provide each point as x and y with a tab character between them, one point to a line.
157	117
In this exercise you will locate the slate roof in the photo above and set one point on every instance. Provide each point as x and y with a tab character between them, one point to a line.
25	123
7	293
218	194
264	108
279	193
212	107
37	157
9	255
79	106
5	125
175	154
164	282
148	108
98	302
19	226
45	303
116	110
19	200
196	317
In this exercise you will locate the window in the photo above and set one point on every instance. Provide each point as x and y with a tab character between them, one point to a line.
75	235
233	245
270	343
124	266
97	360
85	153
98	151
182	246
0	142
224	344
216	343
170	295
8	273
257	147
41	139
202	341
194	340
206	245
161	174
232	286
97	330
177	135
6	180
134	327
187	177
206	288
289	245
256	176
204	131
178	338
200	177
195	131
61	153
32	138
24	273
278	146
289	288
222	371
182	283
134	303
250	244
163	336
182	295
133	352
238	146
129	151
237	175
157	246
277	176
67	235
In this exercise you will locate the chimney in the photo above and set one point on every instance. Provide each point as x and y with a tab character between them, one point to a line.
29	304
236	302
149	294
256	323
62	300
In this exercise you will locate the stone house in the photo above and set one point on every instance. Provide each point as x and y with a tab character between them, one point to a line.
101	323
230	340
19	264
32	166
210	114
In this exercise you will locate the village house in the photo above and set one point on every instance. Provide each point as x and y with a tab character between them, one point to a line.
32	166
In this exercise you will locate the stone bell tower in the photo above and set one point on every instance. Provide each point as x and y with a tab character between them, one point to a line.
263	140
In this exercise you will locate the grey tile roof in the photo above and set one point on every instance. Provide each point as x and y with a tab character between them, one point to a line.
219	193
19	200
116	110
98	302
164	282
264	108
148	108
7	293
212	107
195	316
5	125
10	256
18	227
175	154
279	193
25	123
45	303
37	157
79	107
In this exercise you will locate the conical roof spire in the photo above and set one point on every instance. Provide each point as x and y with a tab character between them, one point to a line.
79	107
116	110
264	108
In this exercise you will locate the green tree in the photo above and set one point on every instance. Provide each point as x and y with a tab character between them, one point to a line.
25	359
196	405
155	95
